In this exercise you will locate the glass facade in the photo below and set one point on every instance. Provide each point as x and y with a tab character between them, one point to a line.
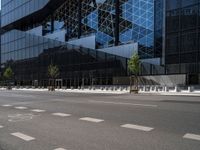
114	22
182	36
77	66
159	28
13	10
17	45
30	55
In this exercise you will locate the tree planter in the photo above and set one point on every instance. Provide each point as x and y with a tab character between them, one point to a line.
134	91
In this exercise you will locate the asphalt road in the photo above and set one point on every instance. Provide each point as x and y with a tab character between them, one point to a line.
64	121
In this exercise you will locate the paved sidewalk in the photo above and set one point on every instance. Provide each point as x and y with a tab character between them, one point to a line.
98	91
173	93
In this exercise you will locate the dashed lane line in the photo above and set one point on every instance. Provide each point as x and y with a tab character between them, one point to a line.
91	119
60	149
23	136
38	110
137	127
1	126
21	108
7	105
61	114
192	136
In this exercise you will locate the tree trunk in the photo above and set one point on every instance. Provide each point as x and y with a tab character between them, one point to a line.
134	84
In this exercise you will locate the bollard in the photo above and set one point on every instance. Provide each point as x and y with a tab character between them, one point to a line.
190	89
111	88
156	89
107	88
176	89
166	89
144	88
128	88
151	88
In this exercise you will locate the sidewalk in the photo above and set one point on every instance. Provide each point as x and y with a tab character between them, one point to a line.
98	91
184	93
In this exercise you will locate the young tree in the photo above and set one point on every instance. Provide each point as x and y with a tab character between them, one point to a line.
53	73
134	68
8	75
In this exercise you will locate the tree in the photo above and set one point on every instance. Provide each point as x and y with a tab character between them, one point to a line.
8	75
53	73
134	68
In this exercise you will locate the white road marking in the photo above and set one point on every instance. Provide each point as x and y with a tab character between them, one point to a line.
23	136
192	136
7	105
38	110
59	149
20	117
137	127
120	103
91	119
61	114
1	126
21	108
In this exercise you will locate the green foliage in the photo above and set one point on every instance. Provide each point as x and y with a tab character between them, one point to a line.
53	71
134	64
8	74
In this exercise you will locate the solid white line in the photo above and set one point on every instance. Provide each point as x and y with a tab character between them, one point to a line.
1	126
23	136
137	127
91	119
38	110
120	103
59	149
6	105
21	108
61	114
192	136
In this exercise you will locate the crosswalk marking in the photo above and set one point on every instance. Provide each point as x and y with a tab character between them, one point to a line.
38	110
61	114
192	136
137	127
91	119
23	136
22	108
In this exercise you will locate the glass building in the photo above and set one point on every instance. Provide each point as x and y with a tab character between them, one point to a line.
182	53
92	40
